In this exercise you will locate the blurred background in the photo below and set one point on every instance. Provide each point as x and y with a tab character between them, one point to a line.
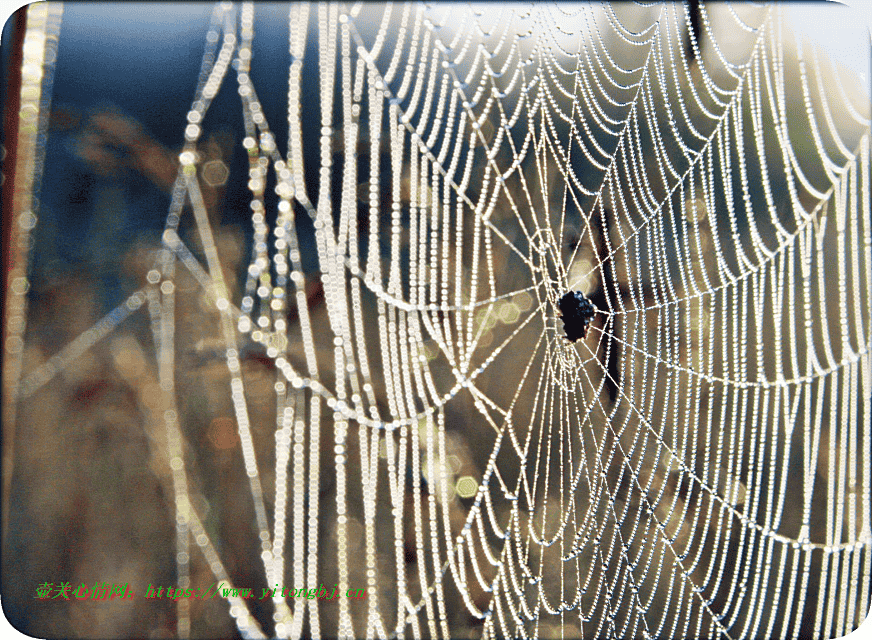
91	496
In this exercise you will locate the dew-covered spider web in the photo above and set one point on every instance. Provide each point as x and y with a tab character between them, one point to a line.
697	465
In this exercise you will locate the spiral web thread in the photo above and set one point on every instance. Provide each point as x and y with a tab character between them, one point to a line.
697	466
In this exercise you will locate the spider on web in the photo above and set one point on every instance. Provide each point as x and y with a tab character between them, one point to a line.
576	312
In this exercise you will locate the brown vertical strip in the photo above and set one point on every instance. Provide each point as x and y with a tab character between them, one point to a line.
26	120
10	140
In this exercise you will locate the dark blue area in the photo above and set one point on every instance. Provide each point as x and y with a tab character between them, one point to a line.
142	61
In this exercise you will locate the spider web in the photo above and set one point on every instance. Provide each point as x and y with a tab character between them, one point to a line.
697	466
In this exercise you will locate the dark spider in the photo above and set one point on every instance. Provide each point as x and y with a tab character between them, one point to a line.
576	312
